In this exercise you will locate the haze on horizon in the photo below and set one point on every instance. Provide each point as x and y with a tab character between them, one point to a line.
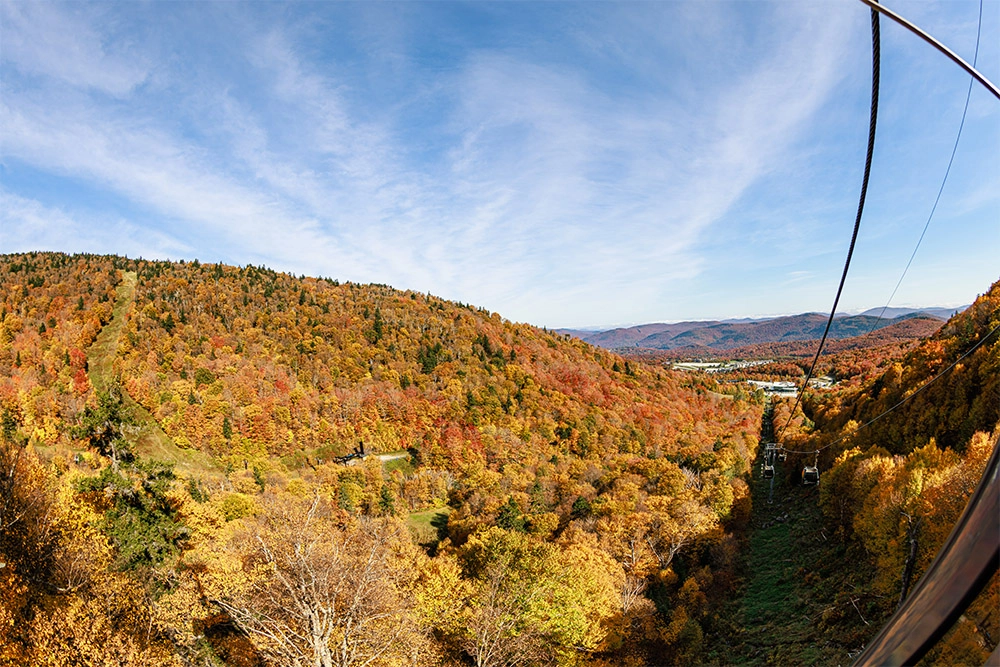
564	164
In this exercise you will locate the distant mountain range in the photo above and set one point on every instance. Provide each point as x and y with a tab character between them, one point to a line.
892	313
730	334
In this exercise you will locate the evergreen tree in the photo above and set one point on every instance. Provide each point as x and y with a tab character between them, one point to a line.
386	502
104	427
510	516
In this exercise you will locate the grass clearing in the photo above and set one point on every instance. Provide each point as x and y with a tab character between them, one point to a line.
403	465
789	584
428	527
101	354
770	591
803	589
150	441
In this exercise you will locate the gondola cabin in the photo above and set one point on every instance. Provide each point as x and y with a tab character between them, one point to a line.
768	472
810	475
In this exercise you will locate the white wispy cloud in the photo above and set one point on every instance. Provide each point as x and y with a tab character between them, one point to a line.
544	146
549	178
40	38
529	185
29	225
147	167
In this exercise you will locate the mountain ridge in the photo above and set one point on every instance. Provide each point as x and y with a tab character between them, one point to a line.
737	333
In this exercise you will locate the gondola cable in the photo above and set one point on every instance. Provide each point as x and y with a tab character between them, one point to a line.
976	76
947	171
873	116
922	34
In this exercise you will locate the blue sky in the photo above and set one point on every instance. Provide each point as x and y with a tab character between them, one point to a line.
562	164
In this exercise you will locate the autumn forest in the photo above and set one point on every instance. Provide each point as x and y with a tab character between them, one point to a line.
207	465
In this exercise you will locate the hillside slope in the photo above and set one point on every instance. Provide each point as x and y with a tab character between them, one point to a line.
224	357
299	365
595	505
949	410
900	456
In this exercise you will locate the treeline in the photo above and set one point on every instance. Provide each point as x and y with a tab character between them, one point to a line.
590	501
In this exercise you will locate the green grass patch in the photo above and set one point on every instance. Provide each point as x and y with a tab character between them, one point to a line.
428	527
403	465
101	354
794	578
770	592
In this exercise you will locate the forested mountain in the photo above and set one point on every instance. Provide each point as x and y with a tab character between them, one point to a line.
214	465
583	500
897	313
633	336
694	337
843	359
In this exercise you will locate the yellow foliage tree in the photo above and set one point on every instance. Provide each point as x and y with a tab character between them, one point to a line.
319	593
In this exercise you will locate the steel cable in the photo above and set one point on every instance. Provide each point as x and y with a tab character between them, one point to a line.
876	50
951	160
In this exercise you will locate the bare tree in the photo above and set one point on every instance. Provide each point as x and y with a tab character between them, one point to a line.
323	594
675	525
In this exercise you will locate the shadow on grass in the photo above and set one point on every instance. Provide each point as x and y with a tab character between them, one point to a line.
429	527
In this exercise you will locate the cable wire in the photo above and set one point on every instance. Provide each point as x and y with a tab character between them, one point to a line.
861	207
976	74
922	387
947	171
